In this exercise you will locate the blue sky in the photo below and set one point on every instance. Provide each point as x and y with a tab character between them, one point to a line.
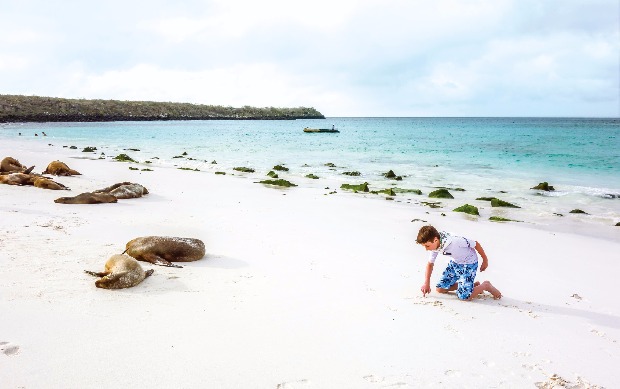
343	57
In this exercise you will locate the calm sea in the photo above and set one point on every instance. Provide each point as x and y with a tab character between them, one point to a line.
498	157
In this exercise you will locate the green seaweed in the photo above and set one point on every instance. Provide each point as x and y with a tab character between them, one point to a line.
189	168
388	191
89	149
501	219
441	194
312	176
485	198
401	190
431	204
357	188
467	208
280	168
279	182
133	168
353	174
147	170
222	173
329	164
501	203
244	169
272	174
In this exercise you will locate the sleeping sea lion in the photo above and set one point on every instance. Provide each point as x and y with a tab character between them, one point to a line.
18	179
46	183
87	198
161	250
58	168
124	190
121	271
10	164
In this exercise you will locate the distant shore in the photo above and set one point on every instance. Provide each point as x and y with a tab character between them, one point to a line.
16	109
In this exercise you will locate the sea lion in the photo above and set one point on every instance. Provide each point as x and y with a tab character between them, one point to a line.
10	164
124	190
121	271
87	198
46	183
17	179
58	168
161	250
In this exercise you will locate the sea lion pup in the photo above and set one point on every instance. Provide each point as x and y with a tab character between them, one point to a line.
121	271
46	183
124	190
161	250
58	168
10	164
87	198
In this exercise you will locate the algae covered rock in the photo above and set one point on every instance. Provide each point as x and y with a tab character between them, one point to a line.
124	158
544	186
358	188
501	203
89	149
279	182
221	173
618	224
312	176
485	198
469	209
578	211
280	168
329	164
353	174
244	169
441	194
272	174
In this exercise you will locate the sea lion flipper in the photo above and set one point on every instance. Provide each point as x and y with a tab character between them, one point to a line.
100	274
157	260
29	170
148	273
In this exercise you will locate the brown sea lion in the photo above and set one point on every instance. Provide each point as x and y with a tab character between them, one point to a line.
121	271
87	198
10	164
124	190
46	183
18	179
161	250
58	168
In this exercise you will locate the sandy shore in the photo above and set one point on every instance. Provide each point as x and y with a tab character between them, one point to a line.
299	289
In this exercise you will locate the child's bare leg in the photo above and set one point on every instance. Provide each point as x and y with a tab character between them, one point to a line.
488	287
454	287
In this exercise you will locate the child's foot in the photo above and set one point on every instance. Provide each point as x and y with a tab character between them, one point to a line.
493	290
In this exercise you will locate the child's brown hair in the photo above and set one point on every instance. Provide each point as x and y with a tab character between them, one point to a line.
427	234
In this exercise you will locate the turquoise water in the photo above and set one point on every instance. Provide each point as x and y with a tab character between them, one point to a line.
579	156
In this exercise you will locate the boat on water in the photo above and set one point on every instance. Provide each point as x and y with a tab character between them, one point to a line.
329	130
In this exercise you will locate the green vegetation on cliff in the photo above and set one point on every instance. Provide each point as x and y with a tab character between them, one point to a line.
51	109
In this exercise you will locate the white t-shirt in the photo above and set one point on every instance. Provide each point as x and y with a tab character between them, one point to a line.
462	250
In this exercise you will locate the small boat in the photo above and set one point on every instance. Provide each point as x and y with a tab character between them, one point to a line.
330	130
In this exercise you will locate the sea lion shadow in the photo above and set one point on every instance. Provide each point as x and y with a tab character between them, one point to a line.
217	261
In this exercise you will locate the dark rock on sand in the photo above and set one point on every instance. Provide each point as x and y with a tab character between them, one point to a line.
441	194
469	209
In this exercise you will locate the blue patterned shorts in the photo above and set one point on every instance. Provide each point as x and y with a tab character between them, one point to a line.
463	274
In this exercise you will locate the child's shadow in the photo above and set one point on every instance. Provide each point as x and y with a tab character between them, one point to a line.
598	318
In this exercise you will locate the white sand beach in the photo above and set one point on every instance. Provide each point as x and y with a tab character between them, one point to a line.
299	289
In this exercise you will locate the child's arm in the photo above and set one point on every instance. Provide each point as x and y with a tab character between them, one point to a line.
485	261
426	287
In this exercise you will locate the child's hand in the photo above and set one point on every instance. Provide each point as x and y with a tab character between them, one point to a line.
426	288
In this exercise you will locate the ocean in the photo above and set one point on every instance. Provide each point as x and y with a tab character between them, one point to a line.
487	157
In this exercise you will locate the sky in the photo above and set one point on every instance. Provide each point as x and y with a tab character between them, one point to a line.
343	57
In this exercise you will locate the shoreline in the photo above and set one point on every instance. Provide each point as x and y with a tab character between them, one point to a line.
298	289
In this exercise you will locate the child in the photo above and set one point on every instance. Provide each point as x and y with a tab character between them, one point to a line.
460	273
